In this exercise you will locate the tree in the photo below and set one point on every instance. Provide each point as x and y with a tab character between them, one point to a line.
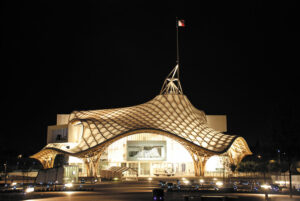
247	166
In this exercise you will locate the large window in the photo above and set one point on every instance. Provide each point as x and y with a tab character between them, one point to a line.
146	150
60	135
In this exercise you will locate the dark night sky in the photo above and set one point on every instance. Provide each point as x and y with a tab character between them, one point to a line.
237	59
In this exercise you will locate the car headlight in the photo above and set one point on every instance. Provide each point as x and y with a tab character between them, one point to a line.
266	186
29	189
186	181
68	185
219	183
13	184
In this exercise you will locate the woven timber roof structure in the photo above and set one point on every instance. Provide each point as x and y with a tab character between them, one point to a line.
170	114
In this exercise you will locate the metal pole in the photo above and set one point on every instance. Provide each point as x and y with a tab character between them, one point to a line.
5	164
290	178
177	42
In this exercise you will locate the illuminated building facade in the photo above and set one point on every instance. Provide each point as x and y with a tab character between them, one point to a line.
164	136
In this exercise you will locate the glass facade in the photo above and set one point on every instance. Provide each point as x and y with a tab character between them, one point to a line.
146	155
70	174
150	155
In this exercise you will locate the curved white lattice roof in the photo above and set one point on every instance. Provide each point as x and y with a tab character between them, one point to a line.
169	113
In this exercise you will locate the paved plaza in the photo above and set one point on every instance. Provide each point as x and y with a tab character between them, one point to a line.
133	191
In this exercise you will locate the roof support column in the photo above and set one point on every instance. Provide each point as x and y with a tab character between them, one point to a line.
48	160
199	162
203	160
87	166
92	164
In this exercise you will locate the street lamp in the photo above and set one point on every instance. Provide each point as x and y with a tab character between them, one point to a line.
278	152
5	167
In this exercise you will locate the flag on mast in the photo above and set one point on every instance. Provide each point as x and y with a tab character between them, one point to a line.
181	23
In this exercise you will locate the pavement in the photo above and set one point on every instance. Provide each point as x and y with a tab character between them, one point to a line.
135	191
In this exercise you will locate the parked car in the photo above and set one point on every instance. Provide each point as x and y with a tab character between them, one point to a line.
243	187
162	184
170	185
207	185
16	186
270	188
275	188
224	187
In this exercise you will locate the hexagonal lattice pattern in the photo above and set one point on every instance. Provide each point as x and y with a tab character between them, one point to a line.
171	113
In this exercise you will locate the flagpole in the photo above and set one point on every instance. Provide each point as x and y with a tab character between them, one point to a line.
177	42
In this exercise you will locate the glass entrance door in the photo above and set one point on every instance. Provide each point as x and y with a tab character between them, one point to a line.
145	169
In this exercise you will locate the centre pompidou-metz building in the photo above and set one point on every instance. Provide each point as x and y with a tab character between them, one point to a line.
154	138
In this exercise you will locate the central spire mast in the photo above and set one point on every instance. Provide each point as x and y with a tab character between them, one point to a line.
172	83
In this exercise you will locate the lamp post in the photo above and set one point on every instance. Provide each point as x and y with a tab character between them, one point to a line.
262	169
289	158
278	155
5	176
290	178
264	172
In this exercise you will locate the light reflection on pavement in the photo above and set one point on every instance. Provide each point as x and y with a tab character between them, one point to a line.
91	196
141	191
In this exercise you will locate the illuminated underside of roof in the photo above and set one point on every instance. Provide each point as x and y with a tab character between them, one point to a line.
170	114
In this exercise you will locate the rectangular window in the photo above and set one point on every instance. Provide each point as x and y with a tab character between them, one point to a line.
60	135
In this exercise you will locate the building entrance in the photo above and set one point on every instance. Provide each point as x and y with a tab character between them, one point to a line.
149	154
